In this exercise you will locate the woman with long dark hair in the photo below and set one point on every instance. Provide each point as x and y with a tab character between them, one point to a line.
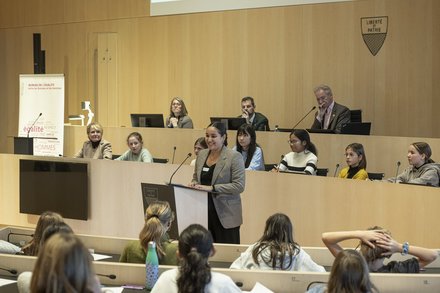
277	250
246	144
194	273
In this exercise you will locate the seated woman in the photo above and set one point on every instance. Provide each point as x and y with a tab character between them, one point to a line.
356	161
137	152
46	219
376	245
246	144
64	265
303	157
199	144
422	169
277	250
178	115
194	273
349	274
95	147
159	217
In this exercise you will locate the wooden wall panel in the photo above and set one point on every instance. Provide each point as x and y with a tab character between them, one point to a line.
213	59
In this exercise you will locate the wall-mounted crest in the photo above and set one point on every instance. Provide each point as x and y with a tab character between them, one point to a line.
374	31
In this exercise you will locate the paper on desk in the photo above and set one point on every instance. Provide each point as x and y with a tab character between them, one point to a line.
259	288
4	282
97	256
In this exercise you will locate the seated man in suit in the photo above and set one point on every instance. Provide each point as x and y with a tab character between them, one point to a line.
258	120
330	115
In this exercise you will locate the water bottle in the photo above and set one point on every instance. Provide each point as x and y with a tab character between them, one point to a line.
151	266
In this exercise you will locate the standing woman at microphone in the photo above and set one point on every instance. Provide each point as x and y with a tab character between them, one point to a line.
95	147
220	172
178	115
422	169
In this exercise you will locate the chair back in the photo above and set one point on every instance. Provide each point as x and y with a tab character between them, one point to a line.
322	172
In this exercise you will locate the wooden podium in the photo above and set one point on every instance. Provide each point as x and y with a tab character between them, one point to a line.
189	205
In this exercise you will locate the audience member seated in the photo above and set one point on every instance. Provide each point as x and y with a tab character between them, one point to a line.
64	264
24	279
330	114
46	219
199	144
349	274
376	245
178	115
303	157
137	152
159	217
277	250
95	147
257	120
356	161
422	169
194	272
246	144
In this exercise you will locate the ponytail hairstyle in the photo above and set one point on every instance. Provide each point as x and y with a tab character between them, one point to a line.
247	129
46	219
195	246
359	150
158	219
350	274
424	149
304	136
278	239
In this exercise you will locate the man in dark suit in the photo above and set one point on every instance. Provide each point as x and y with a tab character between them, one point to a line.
258	120
330	115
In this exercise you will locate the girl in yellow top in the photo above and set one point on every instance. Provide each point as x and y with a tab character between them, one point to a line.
356	161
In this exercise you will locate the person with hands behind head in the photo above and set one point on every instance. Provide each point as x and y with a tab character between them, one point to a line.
178	115
220	171
356	161
376	244
422	169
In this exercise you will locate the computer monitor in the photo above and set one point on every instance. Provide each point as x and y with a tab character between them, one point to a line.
60	187
359	128
147	120
232	123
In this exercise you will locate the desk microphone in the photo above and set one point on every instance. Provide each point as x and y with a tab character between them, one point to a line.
111	276
397	171
336	170
30	128
313	108
187	157
11	271
174	153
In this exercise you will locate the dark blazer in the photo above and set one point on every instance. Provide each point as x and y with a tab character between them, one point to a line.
103	151
260	122
340	116
228	180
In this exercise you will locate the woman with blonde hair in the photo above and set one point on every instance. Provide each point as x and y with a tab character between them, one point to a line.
64	264
159	217
178	115
95	147
46	219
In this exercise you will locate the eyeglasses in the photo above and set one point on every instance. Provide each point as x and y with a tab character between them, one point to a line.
292	142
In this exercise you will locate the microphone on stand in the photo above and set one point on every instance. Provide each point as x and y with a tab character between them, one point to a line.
397	171
187	157
111	276
336	170
11	271
174	153
30	128
313	108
